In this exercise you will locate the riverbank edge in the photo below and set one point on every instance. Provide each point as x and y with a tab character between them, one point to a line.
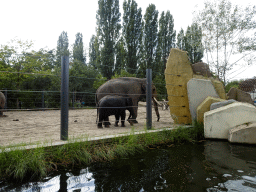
34	162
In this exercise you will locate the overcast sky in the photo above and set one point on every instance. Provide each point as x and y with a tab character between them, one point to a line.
43	21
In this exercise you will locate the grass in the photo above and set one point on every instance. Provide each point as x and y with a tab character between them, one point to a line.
36	163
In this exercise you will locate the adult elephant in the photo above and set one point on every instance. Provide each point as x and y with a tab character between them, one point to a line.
132	87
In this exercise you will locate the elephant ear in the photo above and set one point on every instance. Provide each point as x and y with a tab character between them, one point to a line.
143	88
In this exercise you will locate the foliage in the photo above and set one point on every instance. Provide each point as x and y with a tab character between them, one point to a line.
166	40
78	49
62	48
231	84
99	81
21	164
227	38
108	26
150	39
193	43
123	73
132	33
159	82
181	40
120	57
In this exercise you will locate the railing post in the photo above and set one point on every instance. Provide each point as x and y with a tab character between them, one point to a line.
64	97
149	98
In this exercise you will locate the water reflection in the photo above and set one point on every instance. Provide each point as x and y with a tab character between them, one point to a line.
209	166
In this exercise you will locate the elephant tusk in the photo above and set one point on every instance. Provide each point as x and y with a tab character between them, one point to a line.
160	104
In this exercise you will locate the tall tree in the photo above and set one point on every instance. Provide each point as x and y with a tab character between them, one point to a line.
193	43
94	52
181	40
62	48
78	49
227	29
120	57
166	39
132	32
108	21
150	38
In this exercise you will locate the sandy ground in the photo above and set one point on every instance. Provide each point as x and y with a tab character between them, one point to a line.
44	126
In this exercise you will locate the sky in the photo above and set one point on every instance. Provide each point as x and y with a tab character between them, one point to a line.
43	21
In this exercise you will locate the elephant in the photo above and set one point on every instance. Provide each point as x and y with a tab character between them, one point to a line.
132	87
2	103
114	105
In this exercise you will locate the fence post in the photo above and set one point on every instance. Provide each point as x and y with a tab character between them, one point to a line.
64	97
5	94
149	98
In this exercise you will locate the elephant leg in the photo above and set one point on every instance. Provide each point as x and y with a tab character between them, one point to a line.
106	122
132	118
122	118
117	120
100	121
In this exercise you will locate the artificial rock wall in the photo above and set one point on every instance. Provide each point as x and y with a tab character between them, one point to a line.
177	74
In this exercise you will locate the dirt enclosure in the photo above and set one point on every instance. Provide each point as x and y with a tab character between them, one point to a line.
44	126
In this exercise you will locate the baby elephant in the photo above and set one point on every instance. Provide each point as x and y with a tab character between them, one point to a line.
114	105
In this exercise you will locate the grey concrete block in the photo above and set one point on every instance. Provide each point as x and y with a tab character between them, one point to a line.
198	91
221	104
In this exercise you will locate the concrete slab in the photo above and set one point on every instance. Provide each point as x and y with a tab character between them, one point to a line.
205	106
221	104
218	122
245	133
198	91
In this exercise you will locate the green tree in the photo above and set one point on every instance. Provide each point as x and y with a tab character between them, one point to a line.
149	40
94	52
193	43
181	40
62	48
132	32
78	49
166	39
120	57
108	27
227	30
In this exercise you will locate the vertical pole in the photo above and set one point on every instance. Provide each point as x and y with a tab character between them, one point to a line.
64	97
42	99
149	98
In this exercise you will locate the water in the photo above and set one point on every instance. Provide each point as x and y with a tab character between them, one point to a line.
208	166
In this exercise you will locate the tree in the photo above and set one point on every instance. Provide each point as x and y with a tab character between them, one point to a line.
227	30
150	39
181	40
193	43
132	32
108	21
62	48
120	57
166	39
94	52
78	49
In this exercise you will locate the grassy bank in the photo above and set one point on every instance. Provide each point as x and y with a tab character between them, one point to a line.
36	163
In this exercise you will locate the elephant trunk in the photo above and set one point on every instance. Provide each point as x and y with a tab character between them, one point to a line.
155	102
